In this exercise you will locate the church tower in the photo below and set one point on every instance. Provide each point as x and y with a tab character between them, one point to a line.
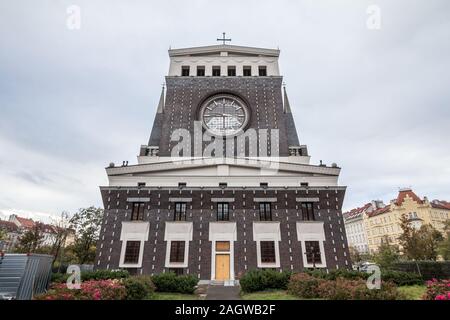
223	185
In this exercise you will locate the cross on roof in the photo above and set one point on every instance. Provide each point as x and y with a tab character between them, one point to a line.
223	39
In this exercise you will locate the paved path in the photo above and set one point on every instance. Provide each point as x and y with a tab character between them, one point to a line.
220	292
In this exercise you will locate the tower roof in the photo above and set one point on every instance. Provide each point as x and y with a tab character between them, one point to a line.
217	49
155	135
291	130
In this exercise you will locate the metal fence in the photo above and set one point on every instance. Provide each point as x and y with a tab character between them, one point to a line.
24	275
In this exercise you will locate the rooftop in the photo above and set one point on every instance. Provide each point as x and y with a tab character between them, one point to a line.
218	49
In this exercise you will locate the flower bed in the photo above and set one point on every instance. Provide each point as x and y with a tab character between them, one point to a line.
437	290
89	290
306	286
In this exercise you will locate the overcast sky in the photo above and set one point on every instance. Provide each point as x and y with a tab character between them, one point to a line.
376	102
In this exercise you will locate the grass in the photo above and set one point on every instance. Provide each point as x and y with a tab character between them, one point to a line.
412	292
268	295
172	296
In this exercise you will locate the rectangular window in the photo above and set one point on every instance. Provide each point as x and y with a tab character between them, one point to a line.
216	71
231	71
313	252
182	184
223	246
185	71
263	184
223	184
267	251
265	213
138	211
222	211
141	184
177	251
307	211
262	71
200	71
132	252
177	271
180	211
247	71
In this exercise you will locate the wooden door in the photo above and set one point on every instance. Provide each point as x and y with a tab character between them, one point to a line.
222	266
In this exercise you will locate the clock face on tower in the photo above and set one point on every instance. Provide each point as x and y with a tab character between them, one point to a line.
224	114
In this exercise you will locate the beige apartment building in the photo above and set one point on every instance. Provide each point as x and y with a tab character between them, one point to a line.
384	222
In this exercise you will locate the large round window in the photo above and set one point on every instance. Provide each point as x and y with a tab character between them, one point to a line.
224	114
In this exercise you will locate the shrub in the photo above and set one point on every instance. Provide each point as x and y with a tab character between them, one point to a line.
170	282
401	278
59	277
138	287
304	285
258	280
307	286
437	290
338	273
345	289
428	269
90	290
104	275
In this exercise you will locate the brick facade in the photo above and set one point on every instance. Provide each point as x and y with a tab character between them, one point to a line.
201	211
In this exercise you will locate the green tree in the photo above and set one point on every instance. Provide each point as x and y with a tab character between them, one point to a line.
31	240
387	254
419	244
87	223
3	234
444	245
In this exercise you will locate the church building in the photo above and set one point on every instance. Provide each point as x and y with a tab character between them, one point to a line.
223	185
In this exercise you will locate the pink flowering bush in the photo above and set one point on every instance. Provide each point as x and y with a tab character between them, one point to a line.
90	290
437	290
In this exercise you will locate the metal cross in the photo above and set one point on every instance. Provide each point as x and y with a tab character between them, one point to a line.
223	39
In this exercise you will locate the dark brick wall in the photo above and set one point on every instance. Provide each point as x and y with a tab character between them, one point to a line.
185	95
201	211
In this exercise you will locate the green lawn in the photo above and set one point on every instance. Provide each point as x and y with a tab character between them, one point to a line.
268	295
172	296
413	292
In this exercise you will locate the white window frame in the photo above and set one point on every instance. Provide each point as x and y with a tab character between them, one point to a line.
178	231
312	231
133	231
267	231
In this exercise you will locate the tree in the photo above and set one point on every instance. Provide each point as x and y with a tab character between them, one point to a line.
387	254
86	223
444	245
61	228
419	244
3	234
355	256
31	240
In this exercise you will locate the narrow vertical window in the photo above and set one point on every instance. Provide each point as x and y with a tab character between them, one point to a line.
137	212
177	251
313	255
222	211
180	211
216	71
231	71
267	251
132	252
265	212
308	211
262	71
